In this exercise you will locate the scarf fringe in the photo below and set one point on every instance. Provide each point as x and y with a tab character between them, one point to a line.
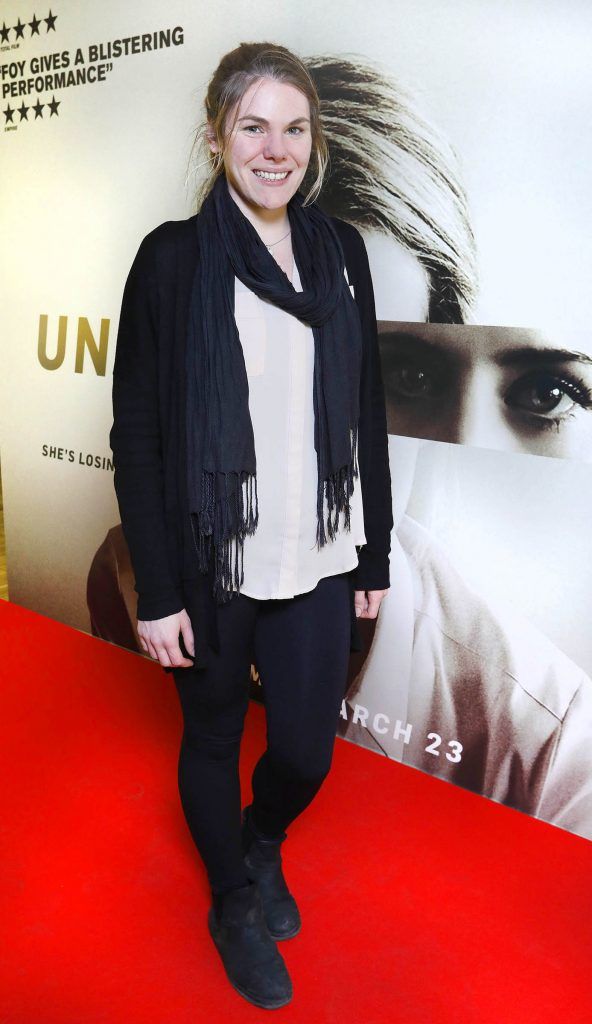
215	520
338	488
223	525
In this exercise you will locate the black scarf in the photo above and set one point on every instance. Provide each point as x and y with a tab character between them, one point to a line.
220	440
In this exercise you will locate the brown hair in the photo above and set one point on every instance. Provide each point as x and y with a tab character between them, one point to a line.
237	70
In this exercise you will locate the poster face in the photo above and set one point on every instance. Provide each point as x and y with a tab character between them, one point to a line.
466	674
459	137
509	388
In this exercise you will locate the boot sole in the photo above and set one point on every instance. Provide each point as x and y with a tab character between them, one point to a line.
266	1004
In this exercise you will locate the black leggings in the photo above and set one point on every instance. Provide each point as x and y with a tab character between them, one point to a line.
300	648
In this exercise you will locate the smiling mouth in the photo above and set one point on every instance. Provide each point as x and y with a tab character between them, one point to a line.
271	175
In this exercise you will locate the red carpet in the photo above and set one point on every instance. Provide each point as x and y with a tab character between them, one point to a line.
421	902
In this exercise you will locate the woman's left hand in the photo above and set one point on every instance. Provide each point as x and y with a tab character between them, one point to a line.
367	602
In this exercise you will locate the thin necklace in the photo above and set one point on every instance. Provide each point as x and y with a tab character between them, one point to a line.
270	247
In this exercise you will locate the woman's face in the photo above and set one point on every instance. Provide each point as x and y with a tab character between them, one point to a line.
271	134
508	388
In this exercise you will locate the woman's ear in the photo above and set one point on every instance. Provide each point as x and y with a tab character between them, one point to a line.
211	138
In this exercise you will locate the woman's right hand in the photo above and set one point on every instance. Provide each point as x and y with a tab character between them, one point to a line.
160	639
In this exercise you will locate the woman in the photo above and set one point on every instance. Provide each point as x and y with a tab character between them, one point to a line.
396	178
252	475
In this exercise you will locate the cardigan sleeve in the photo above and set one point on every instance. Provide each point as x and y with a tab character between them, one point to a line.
373	570
135	440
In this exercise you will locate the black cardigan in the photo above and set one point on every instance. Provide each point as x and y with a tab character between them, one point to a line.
147	437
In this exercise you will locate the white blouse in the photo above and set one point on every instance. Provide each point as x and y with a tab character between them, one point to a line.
281	558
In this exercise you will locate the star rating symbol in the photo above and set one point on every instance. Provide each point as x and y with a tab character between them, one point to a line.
23	110
19	33
19	28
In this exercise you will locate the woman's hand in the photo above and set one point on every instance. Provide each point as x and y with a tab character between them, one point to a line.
160	639
367	602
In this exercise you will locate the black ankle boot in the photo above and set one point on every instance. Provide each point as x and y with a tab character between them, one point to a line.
252	961
263	862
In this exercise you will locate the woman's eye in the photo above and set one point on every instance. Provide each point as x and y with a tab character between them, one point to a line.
249	127
410	380
542	393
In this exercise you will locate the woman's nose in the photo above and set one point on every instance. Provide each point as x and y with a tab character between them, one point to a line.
275	146
479	420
